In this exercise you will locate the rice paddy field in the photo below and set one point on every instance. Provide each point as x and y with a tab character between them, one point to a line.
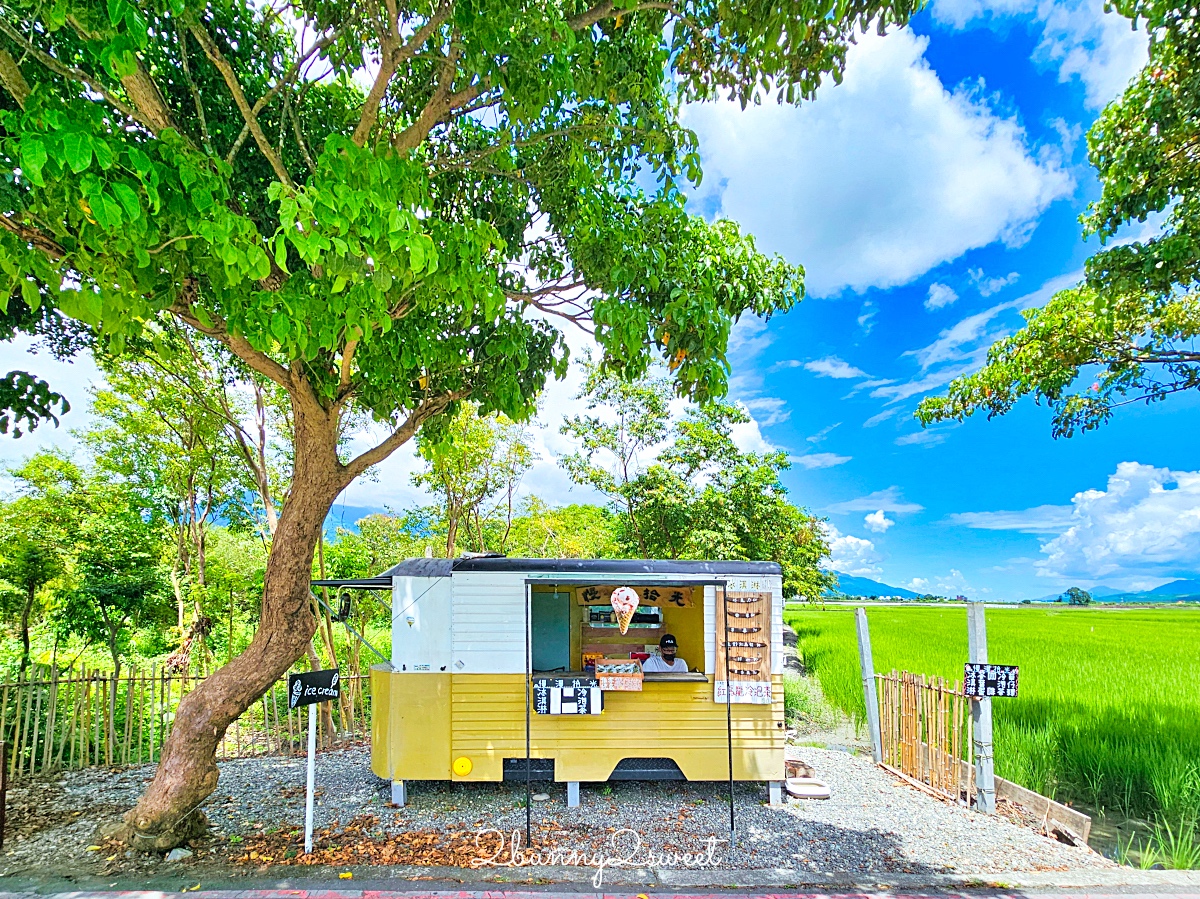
1108	714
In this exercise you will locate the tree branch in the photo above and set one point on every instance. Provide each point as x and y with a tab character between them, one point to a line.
139	88
33	236
426	410
235	343
73	74
271	94
12	78
390	58
213	52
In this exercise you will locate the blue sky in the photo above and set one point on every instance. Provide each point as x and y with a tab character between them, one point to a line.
930	196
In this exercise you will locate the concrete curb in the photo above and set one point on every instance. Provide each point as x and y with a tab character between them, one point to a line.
459	883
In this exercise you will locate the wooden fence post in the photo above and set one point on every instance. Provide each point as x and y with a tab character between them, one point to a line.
981	713
868	678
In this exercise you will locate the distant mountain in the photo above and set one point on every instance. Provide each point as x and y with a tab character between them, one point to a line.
849	585
1180	589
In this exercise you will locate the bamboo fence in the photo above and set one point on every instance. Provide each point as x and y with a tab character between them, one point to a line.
925	725
54	721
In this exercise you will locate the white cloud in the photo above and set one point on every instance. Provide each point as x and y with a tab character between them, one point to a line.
973	331
1077	37
988	286
882	177
823	433
833	367
921	438
877	522
940	295
889	500
880	417
866	316
1047	519
1145	522
819	460
771	409
852	555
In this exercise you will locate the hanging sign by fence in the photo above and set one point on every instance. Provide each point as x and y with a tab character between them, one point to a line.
744	641
313	686
990	680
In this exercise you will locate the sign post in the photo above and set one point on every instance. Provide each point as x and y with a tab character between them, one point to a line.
310	688
981	712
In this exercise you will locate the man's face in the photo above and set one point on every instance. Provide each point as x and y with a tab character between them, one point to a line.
668	653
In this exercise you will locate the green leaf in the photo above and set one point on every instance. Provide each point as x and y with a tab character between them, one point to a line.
77	150
104	154
33	159
128	198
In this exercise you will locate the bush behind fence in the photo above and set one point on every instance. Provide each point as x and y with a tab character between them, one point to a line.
78	719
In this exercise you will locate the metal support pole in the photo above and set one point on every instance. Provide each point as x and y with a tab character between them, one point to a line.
728	703
312	771
981	713
867	663
528	686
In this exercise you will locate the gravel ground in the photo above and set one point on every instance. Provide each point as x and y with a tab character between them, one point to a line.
873	823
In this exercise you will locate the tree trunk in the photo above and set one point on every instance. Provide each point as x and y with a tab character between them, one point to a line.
26	611
167	813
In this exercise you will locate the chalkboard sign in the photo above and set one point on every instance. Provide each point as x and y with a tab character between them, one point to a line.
990	680
313	686
567	696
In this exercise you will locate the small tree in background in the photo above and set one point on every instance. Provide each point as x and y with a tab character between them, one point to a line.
118	580
28	564
1077	596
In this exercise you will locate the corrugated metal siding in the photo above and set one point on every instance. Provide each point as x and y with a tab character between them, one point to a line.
489	717
489	623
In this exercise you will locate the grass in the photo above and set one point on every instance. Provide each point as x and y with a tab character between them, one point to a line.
1109	708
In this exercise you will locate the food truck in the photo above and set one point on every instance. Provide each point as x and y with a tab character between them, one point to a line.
519	669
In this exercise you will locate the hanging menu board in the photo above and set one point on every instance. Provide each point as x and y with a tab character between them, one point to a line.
744	637
567	696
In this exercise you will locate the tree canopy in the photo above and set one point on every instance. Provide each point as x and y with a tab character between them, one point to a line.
386	251
1127	332
681	488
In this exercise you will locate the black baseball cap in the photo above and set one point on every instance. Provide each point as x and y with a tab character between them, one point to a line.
668	640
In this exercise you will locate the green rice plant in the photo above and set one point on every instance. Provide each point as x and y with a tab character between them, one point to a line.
1173	846
1107	706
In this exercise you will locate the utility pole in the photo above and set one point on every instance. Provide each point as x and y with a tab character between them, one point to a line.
981	713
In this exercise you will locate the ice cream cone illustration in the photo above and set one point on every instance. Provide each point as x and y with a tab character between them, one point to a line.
624	602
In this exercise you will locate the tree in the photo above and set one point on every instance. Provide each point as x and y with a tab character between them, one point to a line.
577	531
474	467
29	563
38	530
1126	333
118	579
1077	597
701	497
173	452
391	254
637	420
